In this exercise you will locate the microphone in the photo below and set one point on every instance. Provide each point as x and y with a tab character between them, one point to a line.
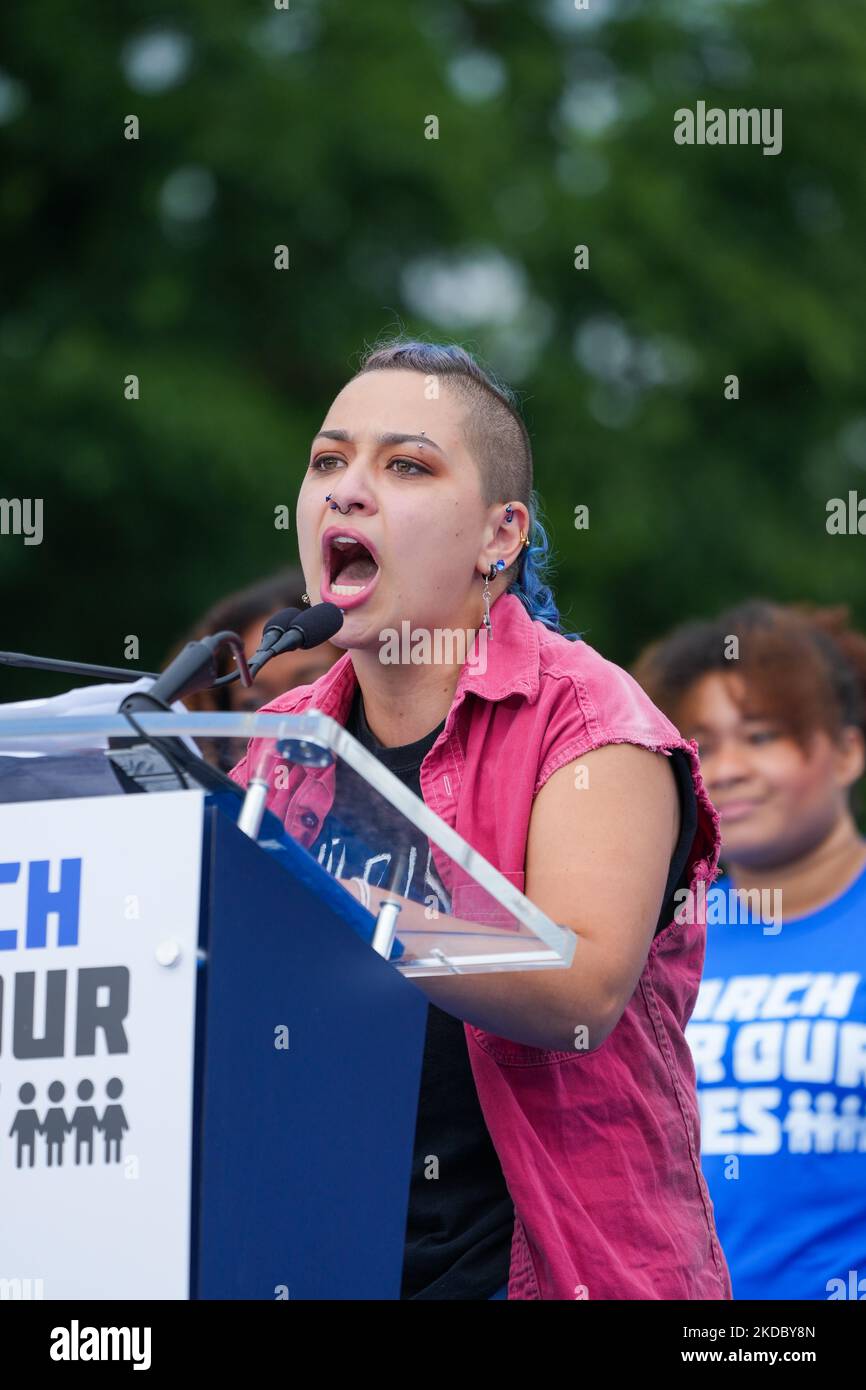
274	629
309	629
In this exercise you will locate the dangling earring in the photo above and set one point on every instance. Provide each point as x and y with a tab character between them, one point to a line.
305	598
485	595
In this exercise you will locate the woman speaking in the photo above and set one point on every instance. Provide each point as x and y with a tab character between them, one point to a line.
560	1105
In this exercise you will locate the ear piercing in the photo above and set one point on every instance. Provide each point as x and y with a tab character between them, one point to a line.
496	568
509	516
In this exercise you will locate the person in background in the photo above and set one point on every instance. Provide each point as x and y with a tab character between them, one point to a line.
246	613
775	697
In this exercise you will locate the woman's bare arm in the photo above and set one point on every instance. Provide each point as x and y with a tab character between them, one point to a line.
597	860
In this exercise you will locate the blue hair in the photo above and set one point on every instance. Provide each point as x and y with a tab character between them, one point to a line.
531	585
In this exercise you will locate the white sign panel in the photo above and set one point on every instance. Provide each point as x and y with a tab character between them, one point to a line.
99	905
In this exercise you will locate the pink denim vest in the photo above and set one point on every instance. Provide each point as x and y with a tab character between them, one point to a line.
600	1150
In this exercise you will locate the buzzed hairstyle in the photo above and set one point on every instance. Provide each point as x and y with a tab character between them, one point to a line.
492	426
498	441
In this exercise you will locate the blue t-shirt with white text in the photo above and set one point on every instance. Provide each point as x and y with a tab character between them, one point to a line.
778	1037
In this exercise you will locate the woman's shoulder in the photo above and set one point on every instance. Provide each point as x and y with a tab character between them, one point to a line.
605	700
587	702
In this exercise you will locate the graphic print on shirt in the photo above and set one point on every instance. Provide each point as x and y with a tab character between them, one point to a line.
364	836
345	856
780	1063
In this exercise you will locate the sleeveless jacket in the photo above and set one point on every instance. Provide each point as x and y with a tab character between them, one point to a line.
600	1150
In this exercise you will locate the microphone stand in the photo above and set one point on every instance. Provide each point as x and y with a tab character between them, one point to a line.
73	668
135	771
190	670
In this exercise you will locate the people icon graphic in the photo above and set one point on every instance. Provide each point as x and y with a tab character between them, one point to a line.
113	1121
55	1126
84	1122
26	1124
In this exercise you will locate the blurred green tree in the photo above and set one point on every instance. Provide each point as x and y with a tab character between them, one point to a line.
260	126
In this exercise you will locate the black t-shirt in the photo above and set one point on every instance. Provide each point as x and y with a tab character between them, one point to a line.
460	1218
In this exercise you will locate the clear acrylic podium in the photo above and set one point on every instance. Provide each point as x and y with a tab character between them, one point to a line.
210	1042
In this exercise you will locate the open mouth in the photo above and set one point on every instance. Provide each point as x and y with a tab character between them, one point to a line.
350	566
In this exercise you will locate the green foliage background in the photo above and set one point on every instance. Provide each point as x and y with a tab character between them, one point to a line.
306	127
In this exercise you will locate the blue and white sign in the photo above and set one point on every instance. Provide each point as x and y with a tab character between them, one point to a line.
99	906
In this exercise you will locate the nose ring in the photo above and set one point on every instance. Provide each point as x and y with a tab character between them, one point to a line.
335	508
